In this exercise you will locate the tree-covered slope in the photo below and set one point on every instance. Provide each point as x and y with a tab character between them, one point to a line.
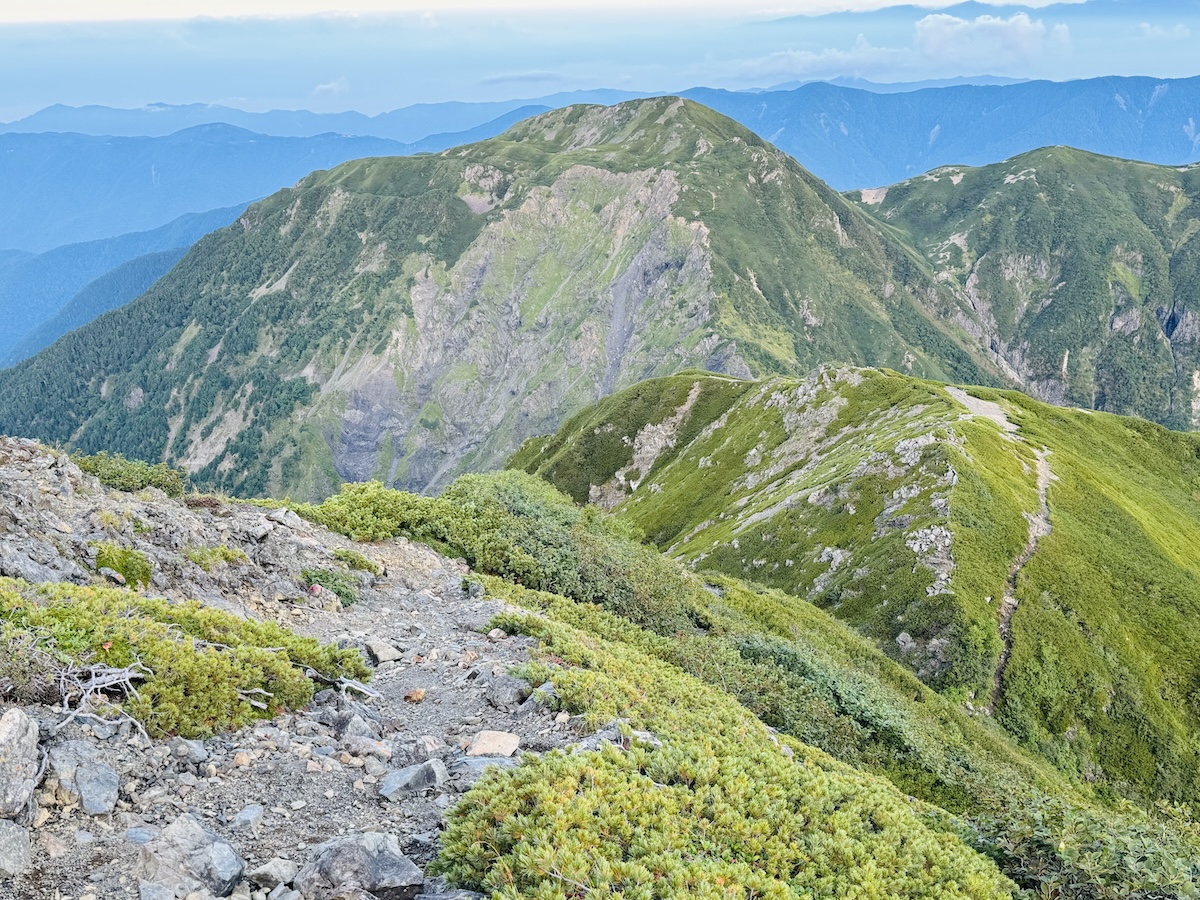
34	288
408	319
1041	565
1082	273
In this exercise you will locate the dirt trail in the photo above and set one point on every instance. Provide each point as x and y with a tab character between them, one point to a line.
1039	527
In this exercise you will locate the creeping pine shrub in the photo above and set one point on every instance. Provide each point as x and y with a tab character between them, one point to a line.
119	473
1053	846
517	527
352	559
205	667
132	565
331	580
208	558
719	811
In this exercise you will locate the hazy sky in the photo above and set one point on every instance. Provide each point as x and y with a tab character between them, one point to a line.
261	54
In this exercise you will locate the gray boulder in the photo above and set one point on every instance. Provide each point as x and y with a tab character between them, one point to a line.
367	862
414	779
16	852
18	762
507	693
273	873
188	857
84	778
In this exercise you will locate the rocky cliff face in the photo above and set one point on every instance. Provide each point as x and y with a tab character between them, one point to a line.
410	319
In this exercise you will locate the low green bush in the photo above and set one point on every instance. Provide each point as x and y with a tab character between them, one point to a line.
208	558
723	809
205	669
119	473
132	565
331	580
352	559
518	527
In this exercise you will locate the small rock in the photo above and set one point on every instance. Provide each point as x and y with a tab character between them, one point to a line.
367	862
497	634
18	762
361	746
248	819
189	857
16	852
193	751
414	779
493	743
285	517
507	692
112	575
381	651
275	872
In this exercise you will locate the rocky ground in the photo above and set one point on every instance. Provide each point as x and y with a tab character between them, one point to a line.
343	799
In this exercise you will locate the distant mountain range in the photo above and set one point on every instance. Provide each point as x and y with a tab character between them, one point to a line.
848	136
37	288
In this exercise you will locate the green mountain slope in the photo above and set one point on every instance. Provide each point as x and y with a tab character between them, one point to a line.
411	318
710	799
1082	273
1040	565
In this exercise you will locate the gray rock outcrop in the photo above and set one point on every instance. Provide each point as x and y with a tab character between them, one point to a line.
369	862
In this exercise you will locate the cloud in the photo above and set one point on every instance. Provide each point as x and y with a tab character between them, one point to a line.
521	78
862	60
941	43
1157	32
337	86
990	41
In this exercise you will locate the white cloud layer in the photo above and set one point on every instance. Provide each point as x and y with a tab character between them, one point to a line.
941	44
1003	42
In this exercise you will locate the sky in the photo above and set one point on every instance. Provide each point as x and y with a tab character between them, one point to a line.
377	55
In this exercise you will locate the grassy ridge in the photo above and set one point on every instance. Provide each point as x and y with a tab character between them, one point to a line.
880	499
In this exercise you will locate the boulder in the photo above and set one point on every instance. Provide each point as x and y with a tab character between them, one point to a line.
369	862
414	779
18	762
188	857
16	852
273	873
493	743
507	693
84	778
